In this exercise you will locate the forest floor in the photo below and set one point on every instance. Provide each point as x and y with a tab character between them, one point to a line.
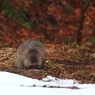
63	61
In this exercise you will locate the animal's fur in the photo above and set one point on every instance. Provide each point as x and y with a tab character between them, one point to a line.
30	53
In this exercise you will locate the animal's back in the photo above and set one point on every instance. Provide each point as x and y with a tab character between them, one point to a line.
30	43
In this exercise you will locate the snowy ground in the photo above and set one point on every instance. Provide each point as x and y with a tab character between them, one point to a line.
13	84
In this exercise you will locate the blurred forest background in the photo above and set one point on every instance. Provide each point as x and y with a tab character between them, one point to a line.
65	27
48	21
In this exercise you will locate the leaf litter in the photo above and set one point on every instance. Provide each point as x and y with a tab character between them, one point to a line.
62	62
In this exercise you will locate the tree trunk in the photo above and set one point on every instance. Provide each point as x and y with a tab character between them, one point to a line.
79	32
1	3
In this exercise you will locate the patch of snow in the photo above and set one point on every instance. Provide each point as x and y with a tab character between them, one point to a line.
14	84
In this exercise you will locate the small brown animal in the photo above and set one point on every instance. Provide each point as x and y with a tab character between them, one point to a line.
31	54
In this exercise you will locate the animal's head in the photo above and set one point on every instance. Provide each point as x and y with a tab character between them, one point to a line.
32	59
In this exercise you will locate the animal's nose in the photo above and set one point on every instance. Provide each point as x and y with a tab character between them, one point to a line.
34	60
